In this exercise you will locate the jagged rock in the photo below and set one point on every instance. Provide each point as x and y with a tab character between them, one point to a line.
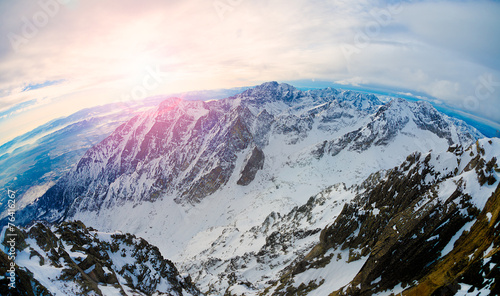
84	262
24	284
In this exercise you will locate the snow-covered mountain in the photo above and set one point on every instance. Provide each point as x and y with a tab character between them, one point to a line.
191	149
415	212
31	163
239	191
428	226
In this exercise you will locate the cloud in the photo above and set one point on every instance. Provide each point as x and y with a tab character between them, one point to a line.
466	28
23	106
101	51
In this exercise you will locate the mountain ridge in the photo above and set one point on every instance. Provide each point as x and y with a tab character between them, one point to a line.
201	141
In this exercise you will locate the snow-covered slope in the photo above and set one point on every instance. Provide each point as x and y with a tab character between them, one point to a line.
71	259
429	226
200	179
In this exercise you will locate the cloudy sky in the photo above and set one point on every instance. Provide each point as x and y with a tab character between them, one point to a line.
58	56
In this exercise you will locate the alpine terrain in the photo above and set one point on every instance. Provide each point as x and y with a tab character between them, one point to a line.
273	191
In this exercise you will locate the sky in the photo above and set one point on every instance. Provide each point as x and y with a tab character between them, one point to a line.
59	56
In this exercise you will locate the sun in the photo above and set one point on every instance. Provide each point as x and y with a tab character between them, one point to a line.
136	65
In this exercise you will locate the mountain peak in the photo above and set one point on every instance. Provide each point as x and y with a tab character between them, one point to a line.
169	104
268	84
403	104
398	103
272	91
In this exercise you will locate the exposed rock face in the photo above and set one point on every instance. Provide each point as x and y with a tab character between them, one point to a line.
254	163
429	226
73	259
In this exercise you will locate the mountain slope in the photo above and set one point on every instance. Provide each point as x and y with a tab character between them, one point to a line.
33	162
427	226
71	259
395	117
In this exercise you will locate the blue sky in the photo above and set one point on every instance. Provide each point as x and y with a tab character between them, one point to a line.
40	85
59	56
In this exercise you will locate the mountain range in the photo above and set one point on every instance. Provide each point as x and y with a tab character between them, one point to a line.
279	191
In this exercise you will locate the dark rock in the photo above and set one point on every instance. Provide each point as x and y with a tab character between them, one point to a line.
254	163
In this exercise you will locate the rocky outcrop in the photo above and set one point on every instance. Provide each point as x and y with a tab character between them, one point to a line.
254	163
75	259
474	263
24	282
